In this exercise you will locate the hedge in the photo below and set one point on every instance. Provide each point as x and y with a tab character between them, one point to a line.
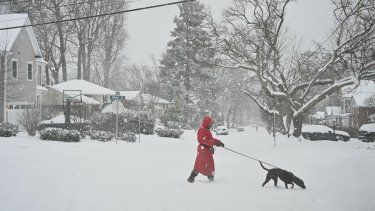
59	134
172	133
128	122
101	135
8	129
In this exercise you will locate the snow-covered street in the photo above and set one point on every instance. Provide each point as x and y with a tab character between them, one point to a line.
151	175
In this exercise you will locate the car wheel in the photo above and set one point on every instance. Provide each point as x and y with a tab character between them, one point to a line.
340	138
307	137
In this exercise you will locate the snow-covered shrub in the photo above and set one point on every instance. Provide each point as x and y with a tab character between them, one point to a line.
132	122
59	134
128	122
8	129
101	135
172	133
29	119
172	125
129	137
103	122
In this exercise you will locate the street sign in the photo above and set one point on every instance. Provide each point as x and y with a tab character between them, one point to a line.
117	97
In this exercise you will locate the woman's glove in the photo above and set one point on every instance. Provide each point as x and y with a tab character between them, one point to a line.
220	144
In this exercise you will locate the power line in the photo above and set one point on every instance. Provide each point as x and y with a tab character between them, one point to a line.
99	15
72	4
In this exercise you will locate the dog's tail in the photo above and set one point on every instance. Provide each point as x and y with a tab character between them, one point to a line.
263	166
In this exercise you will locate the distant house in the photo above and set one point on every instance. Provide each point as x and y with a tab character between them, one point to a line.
332	115
318	118
21	67
354	103
92	97
135	100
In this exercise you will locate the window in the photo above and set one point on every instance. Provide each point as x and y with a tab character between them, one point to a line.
348	108
30	71
10	107
14	68
17	107
23	106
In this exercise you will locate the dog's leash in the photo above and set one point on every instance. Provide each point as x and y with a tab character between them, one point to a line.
251	157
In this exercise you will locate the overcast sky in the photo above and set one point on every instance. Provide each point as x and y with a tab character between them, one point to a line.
149	30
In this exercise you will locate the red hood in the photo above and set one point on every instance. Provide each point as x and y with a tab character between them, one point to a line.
206	121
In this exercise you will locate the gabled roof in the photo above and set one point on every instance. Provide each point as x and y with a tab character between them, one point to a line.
129	95
9	36
87	88
363	91
148	98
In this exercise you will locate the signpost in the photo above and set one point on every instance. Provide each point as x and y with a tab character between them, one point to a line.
117	97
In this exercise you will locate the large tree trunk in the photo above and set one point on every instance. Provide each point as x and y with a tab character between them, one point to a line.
85	75
297	123
55	75
90	48
62	47
48	81
79	56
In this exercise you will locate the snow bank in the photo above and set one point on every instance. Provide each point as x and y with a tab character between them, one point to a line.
367	127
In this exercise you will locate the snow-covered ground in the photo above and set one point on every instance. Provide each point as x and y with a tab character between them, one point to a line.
151	175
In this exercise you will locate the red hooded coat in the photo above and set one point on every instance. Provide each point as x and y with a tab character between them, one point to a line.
204	163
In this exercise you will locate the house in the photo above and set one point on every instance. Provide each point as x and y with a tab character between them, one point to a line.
135	100
21	66
332	116
356	103
318	118
87	97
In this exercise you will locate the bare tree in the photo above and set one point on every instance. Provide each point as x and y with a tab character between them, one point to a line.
111	43
53	37
253	38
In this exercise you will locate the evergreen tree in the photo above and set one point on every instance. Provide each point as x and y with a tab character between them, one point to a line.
187	56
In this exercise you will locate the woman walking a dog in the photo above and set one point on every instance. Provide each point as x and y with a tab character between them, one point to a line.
204	163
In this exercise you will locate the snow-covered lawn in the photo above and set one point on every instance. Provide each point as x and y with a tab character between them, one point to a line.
151	175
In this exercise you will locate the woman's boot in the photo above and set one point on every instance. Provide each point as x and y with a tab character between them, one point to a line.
193	174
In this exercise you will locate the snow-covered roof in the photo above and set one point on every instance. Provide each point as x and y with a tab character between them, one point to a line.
333	110
360	93
319	115
112	108
40	88
9	36
89	101
148	98
87	88
61	119
129	95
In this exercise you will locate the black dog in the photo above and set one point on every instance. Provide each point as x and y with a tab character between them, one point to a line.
286	176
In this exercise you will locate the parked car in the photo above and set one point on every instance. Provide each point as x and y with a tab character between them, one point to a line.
367	133
222	130
322	132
